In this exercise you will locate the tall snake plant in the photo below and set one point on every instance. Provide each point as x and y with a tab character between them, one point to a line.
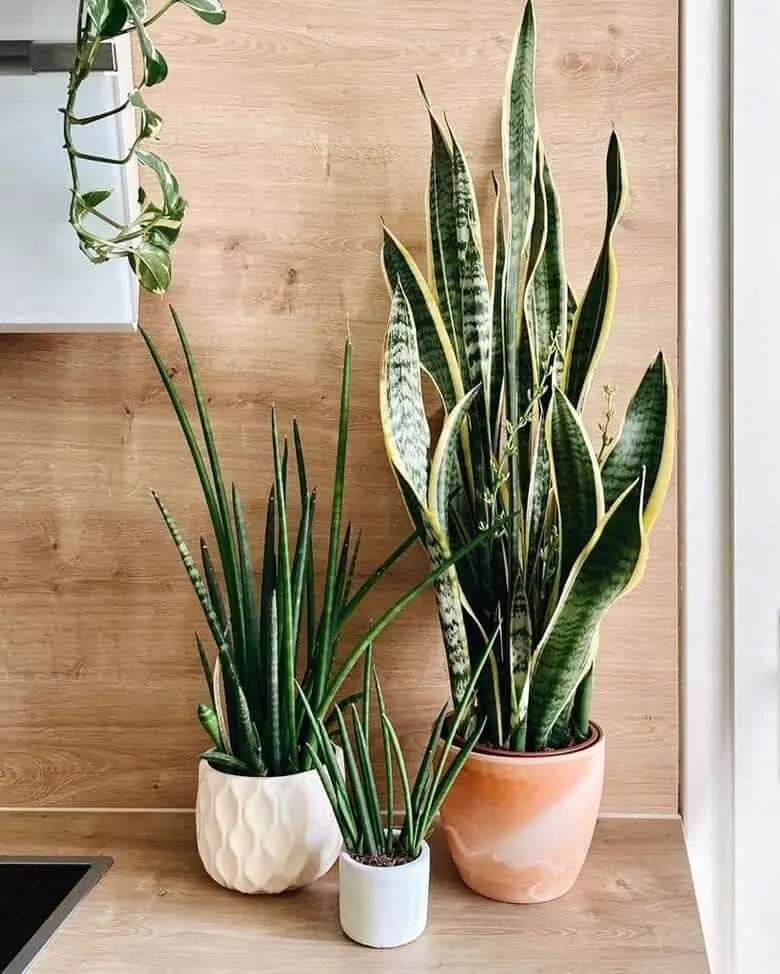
512	352
269	635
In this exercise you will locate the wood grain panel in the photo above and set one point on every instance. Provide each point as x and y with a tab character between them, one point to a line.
292	133
632	910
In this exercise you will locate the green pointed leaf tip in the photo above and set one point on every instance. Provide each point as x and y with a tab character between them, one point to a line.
607	567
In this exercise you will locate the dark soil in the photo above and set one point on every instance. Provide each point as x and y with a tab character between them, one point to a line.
400	860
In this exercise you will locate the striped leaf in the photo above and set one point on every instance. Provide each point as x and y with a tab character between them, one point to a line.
521	649
549	280
646	441
519	128
407	440
194	575
407	437
497	303
575	479
593	320
445	479
531	367
609	566
437	355
442	234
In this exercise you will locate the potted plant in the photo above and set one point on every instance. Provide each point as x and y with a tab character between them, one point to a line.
384	869
513	351
263	821
146	242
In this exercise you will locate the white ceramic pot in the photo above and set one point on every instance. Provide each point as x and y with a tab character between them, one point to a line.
265	835
384	906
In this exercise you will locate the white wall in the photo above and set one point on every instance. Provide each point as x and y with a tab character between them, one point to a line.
706	792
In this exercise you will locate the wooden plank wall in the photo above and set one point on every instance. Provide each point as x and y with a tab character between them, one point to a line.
293	129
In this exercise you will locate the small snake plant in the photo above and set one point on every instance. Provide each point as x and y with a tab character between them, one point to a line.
512	352
267	637
353	793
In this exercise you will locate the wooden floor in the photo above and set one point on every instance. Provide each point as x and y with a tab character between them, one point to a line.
632	912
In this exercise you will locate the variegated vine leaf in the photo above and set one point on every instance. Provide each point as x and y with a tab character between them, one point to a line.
646	441
407	439
576	480
436	353
593	320
611	564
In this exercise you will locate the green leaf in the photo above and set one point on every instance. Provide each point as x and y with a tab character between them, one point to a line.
407	437
221	526
497	304
272	681
209	11
155	67
646	441
208	673
436	352
243	734
227	764
300	566
357	791
329	619
98	11
150	127
212	584
549	280
246	578
593	320
115	22
208	721
95	197
152	266
409	827
520	651
518	129
442	234
194	575
610	565
367	774
169	185
576	480
287	648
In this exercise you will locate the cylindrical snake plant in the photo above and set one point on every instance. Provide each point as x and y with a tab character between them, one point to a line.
512	352
269	635
353	792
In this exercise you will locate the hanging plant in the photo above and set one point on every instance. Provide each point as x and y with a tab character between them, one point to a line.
146	241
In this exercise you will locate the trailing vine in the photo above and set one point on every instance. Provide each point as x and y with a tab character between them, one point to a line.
146	241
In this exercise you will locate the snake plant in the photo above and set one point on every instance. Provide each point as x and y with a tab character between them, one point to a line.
146	242
513	352
353	793
269	636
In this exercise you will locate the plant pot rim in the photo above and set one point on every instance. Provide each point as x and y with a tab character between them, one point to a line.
263	777
499	754
425	855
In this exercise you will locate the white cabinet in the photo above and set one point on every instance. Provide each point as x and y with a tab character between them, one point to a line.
46	283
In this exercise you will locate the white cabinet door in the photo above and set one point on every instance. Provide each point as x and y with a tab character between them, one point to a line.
46	283
756	460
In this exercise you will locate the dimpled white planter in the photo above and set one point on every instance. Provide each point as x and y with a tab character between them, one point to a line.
384	906
264	835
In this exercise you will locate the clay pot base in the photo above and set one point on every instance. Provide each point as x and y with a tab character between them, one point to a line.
519	826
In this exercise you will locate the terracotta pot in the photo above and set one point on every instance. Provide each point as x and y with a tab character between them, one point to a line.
265	835
519	826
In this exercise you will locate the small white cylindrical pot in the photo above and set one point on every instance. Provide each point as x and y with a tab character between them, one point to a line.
265	835
384	906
